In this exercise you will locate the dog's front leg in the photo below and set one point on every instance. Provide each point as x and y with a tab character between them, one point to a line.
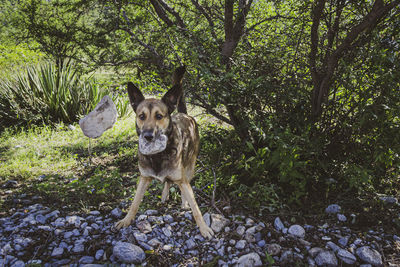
144	183
188	195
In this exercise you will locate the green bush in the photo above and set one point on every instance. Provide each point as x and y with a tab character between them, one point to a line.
46	94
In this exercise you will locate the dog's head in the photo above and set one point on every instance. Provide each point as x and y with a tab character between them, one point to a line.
153	116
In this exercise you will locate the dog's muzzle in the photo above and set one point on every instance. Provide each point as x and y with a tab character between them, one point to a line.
150	145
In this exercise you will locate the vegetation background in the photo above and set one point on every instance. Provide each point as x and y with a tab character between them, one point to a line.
298	101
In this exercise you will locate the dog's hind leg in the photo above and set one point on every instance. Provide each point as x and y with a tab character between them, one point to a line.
185	203
165	192
144	183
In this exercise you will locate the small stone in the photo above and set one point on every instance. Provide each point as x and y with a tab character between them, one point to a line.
167	232
389	199
116	213
167	247
190	244
207	218
144	226
261	243
333	246
128	253
370	256
75	220
168	218
278	224
249	260
140	237
41	219
333	209
326	258
79	247
240	230
154	242
241	244
346	256
218	222
341	217
18	264
188	215
99	254
151	212
86	260
273	249
297	231
94	213
343	241
314	251
57	252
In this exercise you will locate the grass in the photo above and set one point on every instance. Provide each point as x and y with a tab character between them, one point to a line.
54	165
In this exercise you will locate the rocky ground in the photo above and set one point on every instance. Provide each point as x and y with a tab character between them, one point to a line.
40	236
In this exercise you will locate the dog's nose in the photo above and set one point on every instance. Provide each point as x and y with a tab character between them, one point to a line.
148	136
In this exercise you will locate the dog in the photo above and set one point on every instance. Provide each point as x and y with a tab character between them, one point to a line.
168	148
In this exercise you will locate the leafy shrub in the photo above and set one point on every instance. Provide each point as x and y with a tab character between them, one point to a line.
46	94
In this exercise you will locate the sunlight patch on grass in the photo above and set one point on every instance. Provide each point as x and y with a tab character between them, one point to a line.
26	154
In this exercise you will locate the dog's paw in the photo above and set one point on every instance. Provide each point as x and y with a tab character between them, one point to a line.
206	232
123	223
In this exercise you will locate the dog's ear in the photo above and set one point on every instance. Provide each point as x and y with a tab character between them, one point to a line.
135	96
175	93
172	96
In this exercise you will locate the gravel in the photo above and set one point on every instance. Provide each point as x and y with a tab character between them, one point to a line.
38	235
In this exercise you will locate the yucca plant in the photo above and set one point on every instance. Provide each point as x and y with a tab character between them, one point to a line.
46	94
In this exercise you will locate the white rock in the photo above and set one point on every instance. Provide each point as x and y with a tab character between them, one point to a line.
128	253
249	260
326	258
370	256
297	231
100	119
278	224
218	222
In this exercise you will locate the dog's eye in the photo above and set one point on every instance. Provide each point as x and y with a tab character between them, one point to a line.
142	117
159	116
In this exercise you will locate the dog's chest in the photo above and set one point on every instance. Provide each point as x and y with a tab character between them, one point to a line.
162	165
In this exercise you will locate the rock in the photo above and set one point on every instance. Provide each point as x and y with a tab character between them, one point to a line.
154	242
151	212
389	199
79	247
241	244
190	244
99	254
314	251
128	253
57	252
167	232
169	219
74	220
278	224
297	231
370	256
273	249
333	209
144	226
116	213
218	222
249	260
326	258
333	246
167	247
207	218
86	260
343	241
18	264
140	237
346	256
341	217
261	243
240	230
100	119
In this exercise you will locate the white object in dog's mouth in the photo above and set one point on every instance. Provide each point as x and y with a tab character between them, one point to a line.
155	146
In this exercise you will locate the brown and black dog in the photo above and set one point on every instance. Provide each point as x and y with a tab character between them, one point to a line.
168	147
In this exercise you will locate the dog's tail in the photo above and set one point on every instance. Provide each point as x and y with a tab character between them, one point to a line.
177	81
